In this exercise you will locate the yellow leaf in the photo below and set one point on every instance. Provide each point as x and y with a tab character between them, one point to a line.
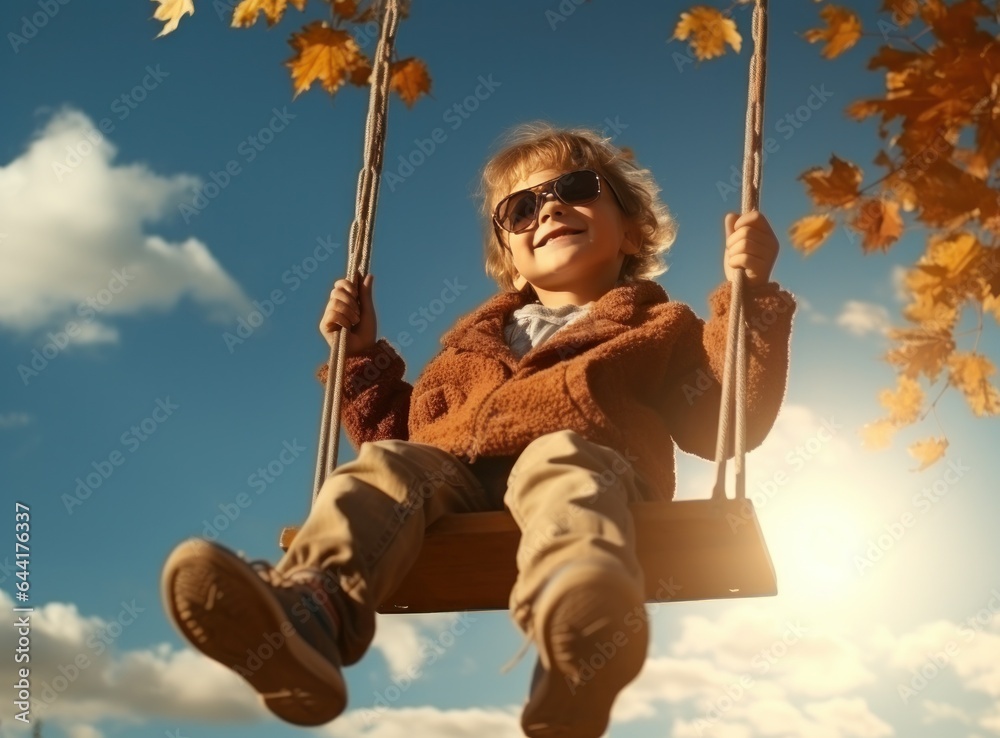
991	270
950	270
410	79
836	188
921	351
902	189
709	31
809	233
327	54
861	109
877	435
879	222
948	195
902	10
970	373
904	404
975	163
928	451
931	315
843	29
172	11
954	23
247	11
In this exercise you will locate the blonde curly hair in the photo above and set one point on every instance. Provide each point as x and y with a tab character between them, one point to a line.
531	147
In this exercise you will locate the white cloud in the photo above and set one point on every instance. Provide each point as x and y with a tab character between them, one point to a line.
675	681
75	246
801	442
760	716
806	308
702	728
79	678
935	711
13	420
84	731
991	721
861	318
849	716
407	649
753	640
969	649
408	722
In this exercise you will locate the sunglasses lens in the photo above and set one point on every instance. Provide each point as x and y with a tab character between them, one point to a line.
578	187
518	212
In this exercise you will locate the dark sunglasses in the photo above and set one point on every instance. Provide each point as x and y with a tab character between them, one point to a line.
518	212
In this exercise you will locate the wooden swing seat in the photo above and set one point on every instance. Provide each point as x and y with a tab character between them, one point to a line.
688	549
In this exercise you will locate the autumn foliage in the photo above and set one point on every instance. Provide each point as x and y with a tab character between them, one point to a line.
325	51
939	121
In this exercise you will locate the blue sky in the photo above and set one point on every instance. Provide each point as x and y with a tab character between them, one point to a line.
149	390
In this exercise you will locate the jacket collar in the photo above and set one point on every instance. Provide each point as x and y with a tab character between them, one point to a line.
619	309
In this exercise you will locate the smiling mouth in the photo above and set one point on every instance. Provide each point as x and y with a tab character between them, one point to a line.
557	237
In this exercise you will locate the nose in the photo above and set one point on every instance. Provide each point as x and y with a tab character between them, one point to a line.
550	205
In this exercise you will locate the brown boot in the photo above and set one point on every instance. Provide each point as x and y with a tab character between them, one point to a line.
279	633
591	643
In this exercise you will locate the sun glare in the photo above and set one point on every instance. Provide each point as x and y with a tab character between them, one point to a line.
813	544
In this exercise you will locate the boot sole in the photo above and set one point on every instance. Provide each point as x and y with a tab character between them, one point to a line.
219	603
595	602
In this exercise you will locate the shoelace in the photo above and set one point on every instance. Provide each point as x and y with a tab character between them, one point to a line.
525	644
311	578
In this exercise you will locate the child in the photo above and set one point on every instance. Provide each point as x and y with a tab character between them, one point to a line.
558	399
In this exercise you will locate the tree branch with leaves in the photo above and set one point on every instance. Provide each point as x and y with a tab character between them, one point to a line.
942	83
325	51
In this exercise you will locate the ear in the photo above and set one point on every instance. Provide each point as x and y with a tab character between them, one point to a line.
630	245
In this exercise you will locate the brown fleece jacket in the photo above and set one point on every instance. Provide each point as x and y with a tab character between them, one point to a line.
639	373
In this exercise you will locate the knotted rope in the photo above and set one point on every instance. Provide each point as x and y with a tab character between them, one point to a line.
359	251
735	372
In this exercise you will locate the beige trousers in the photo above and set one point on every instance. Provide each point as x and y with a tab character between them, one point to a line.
569	496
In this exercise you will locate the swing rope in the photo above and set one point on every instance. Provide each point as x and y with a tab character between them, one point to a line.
752	162
359	249
359	253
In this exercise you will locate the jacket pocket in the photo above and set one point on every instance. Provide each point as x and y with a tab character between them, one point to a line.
578	386
436	402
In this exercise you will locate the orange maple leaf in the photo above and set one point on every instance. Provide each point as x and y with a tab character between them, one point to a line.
836	188
409	77
843	29
928	451
950	271
924	350
903	11
904	404
991	272
346	9
970	373
709	31
809	233
954	23
949	196
247	11
877	435
172	11
879	222
328	54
